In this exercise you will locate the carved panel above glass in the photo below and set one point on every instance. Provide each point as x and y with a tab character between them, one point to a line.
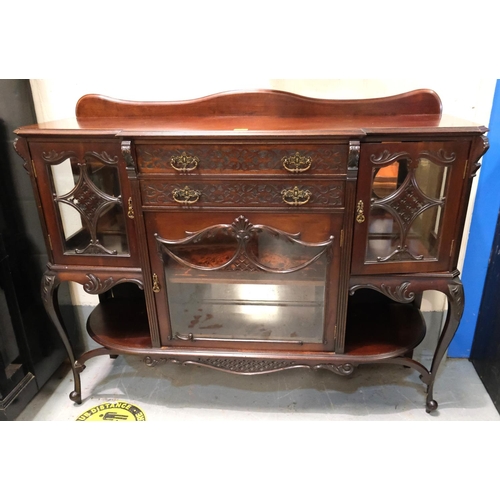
86	193
245	282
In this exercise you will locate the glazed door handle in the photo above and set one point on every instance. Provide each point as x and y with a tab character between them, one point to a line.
360	216
156	283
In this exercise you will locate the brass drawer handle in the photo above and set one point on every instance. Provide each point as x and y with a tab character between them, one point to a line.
296	196
186	196
360	216
296	163
184	162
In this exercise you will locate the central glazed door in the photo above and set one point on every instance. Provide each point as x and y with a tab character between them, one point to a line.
233	280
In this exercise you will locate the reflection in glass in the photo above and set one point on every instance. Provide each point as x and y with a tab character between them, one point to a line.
387	179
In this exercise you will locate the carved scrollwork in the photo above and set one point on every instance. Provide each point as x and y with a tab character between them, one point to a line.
457	295
343	370
401	253
242	230
103	157
399	293
388	157
53	157
20	148
50	281
440	156
95	285
480	147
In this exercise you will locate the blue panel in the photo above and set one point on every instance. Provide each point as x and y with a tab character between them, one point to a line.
482	230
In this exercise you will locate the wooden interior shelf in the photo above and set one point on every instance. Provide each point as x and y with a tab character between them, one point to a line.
120	323
377	331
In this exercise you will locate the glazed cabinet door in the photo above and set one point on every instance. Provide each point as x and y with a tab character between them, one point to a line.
260	280
86	202
408	206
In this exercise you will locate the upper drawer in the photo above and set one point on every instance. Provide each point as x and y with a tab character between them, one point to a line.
217	159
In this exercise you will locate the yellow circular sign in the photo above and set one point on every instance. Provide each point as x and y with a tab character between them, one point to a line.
112	412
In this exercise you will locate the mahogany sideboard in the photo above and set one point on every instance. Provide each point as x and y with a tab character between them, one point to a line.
257	231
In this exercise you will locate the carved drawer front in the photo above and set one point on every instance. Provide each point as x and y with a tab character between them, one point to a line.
248	193
323	159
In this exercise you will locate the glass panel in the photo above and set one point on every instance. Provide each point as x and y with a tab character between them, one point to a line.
257	286
383	235
111	229
65	177
90	208
431	178
423	235
406	210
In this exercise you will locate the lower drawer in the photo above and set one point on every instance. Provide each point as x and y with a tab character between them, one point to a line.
250	193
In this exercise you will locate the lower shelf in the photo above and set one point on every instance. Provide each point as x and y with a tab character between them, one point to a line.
120	323
374	331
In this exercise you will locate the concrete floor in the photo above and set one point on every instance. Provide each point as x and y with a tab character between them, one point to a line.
170	392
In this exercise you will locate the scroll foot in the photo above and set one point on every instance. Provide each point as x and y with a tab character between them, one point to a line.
431	405
76	397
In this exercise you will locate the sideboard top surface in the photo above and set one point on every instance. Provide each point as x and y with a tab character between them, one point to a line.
262	113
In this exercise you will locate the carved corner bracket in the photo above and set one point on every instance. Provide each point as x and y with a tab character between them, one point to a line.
21	148
398	293
479	148
95	285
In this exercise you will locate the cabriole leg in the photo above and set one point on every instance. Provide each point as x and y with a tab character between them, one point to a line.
456	302
50	285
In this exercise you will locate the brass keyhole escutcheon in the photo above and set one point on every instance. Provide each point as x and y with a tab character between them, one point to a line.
360	216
